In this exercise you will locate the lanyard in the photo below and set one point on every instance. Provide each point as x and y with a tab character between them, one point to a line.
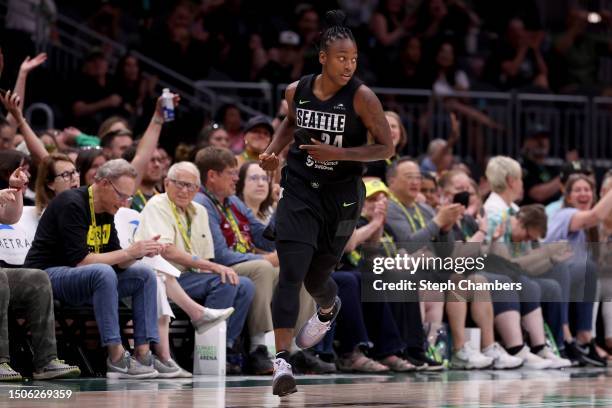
93	230
142	196
185	232
243	246
388	244
417	211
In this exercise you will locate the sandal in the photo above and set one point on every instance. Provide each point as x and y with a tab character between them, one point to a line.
358	362
397	364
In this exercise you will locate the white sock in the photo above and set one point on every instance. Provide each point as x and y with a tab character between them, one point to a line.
294	347
257	340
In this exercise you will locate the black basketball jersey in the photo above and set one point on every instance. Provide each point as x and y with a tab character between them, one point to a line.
333	122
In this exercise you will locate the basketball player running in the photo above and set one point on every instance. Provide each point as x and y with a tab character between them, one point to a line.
329	117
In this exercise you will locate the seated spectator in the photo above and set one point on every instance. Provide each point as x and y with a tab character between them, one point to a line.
77	245
437	20
505	178
540	181
440	152
56	174
568	168
400	140
605	265
509	305
116	142
28	290
254	188
258	133
88	162
151	178
359	322
136	90
415	225
239	243
212	285
95	97
285	64
578	51
576	223
429	189
213	135
230	118
517	62
112	124
389	25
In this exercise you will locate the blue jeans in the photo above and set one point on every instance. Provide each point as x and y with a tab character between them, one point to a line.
99	285
208	290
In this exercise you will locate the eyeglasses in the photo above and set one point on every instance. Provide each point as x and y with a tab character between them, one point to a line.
68	175
190	187
123	197
256	178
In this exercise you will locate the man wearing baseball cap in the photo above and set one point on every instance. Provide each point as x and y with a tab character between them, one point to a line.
257	136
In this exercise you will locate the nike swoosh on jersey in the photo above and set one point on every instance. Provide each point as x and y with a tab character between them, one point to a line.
301	102
348	205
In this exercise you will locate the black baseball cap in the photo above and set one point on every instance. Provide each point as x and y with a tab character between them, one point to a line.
259	120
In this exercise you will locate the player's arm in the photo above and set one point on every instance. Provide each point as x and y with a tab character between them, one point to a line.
282	136
369	109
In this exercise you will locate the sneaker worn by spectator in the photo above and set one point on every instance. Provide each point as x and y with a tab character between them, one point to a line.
259	361
210	318
501	359
8	374
130	367
531	360
283	382
233	362
556	362
56	369
307	362
315	329
468	358
585	354
360	363
170	369
418	358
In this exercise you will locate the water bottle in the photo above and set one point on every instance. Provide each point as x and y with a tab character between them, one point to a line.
167	105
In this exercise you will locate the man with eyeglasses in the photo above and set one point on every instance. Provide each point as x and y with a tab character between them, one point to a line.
77	245
182	226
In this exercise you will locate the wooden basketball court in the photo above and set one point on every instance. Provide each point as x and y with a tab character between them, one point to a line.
567	388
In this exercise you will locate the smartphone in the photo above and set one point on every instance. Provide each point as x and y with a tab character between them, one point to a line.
462	198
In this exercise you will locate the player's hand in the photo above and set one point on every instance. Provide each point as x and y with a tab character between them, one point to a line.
320	151
269	161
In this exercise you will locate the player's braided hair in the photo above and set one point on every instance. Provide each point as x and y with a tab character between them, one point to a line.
336	30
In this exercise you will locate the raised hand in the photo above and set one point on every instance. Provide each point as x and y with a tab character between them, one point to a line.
19	179
31	63
12	103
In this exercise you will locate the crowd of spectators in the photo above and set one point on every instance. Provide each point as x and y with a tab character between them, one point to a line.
208	213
